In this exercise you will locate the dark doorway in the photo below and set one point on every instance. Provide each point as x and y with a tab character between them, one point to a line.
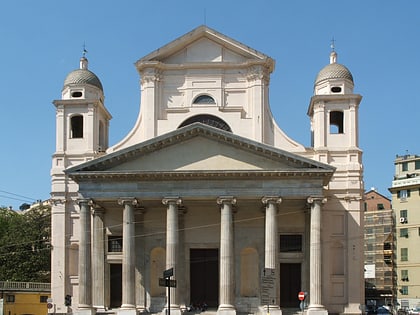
116	285
204	276
290	285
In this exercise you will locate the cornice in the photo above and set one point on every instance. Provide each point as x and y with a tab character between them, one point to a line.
194	175
144	65
320	99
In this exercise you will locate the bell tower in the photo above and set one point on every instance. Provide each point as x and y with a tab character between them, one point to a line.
333	111
82	123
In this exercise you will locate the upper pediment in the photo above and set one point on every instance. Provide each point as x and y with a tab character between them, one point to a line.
204	45
199	150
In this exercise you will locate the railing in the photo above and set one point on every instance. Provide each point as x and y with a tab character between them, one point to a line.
24	286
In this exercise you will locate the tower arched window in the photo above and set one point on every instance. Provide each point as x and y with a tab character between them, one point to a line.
204	99
336	122
76	123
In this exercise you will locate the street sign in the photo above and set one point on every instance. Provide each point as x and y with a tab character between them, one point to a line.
301	296
164	282
168	273
268	286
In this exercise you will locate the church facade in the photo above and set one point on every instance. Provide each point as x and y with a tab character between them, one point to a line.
207	189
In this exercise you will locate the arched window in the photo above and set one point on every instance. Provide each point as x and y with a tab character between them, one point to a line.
204	99
336	122
208	120
76	123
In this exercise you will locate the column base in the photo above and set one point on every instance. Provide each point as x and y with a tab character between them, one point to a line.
316	310
100	308
174	311
127	311
353	308
225	309
85	311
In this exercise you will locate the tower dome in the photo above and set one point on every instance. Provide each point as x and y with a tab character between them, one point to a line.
83	76
334	78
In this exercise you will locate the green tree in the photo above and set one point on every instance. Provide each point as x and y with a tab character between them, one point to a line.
24	244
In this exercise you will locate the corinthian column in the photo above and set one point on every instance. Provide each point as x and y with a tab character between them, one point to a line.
226	284
129	255
315	261
85	268
172	247
271	265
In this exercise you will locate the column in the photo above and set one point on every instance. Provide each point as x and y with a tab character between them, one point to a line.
128	257
315	260
140	260
98	258
85	268
226	281
271	264
172	247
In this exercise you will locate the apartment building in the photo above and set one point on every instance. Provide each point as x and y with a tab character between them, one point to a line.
406	205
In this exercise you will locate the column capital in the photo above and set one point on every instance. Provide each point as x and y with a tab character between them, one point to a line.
271	199
226	199
168	200
129	201
313	199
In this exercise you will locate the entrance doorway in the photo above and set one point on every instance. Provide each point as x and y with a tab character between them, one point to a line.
115	285
290	285
204	277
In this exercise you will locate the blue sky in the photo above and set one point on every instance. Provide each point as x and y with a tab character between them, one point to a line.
42	41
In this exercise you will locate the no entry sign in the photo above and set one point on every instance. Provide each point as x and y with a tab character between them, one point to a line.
301	296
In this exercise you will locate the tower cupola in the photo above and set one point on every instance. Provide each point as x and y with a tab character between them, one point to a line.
334	78
82	83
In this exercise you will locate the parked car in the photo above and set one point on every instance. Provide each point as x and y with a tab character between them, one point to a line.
414	311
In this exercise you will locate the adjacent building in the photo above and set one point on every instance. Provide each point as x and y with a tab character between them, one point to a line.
380	277
406	204
207	187
25	298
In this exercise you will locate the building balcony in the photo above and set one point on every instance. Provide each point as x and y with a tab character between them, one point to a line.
25	286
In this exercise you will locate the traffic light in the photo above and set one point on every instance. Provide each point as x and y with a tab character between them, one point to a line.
67	300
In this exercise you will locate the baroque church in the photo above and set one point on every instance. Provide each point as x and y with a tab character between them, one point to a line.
206	193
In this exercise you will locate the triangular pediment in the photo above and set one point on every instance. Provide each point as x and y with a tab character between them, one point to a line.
200	149
204	45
